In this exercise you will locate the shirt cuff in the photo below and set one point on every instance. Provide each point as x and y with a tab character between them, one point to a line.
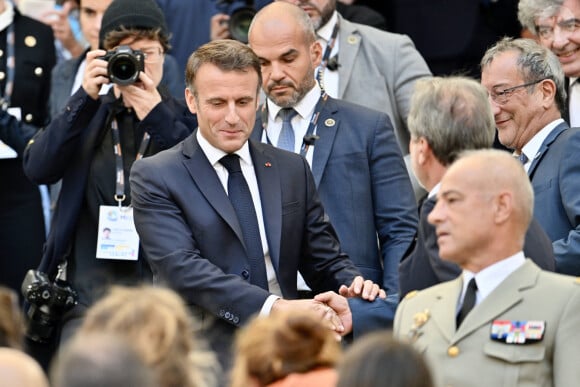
267	307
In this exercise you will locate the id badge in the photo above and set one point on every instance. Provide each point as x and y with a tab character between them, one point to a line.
118	237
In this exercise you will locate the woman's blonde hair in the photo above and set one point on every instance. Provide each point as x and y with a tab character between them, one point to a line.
158	325
270	348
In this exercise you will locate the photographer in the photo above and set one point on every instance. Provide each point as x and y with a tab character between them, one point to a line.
92	145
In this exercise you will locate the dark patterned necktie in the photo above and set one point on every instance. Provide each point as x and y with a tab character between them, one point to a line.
468	301
241	199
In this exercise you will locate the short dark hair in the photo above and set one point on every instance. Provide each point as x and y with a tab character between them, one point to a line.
114	38
227	55
379	356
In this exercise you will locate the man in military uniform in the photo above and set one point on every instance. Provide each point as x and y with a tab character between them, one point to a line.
517	323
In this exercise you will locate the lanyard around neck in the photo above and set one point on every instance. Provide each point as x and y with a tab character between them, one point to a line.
326	56
120	185
309	138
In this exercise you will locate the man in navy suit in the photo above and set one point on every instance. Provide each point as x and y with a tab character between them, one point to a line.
526	87
189	228
356	162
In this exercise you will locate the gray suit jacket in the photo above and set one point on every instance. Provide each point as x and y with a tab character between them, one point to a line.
378	69
468	357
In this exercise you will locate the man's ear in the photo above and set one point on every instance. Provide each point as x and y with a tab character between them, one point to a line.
316	53
548	88
503	207
424	150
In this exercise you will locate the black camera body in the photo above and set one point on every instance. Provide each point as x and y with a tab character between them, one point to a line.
49	301
124	65
240	18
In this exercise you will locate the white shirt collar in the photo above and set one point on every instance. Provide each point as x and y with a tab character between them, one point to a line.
489	278
214	154
7	16
533	146
304	107
434	190
325	31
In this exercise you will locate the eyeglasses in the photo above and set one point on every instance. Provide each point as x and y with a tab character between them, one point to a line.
152	55
566	26
501	97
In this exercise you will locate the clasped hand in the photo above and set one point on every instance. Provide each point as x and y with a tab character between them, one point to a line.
333	307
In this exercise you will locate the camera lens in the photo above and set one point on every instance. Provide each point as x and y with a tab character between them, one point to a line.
123	68
240	21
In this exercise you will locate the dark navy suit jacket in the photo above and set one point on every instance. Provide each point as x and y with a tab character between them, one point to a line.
193	240
364	186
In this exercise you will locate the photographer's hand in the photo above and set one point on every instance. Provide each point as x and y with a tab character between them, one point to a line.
219	27
141	96
95	73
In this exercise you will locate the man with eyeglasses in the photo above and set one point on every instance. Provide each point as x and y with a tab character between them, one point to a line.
526	90
92	144
557	26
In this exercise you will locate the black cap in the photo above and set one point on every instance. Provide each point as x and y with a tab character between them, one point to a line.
139	14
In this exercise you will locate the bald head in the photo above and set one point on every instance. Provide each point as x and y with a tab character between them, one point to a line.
484	207
495	171
17	369
283	38
277	14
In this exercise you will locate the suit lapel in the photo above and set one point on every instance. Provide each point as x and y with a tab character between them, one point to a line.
545	146
349	45
326	129
268	176
445	307
503	298
207	181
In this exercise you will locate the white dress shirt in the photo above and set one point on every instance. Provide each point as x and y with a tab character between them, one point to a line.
489	278
574	102
214	155
330	78
300	122
533	146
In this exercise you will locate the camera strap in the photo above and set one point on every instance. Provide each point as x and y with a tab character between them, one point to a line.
309	137
118	238
120	185
326	56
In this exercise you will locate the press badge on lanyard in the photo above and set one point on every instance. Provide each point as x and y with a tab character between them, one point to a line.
118	237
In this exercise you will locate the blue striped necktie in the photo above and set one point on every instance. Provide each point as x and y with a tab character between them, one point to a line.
286	138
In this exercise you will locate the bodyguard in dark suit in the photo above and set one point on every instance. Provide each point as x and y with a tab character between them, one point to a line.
187	209
356	162
526	86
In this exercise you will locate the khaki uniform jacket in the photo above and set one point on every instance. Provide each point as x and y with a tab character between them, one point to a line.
469	357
